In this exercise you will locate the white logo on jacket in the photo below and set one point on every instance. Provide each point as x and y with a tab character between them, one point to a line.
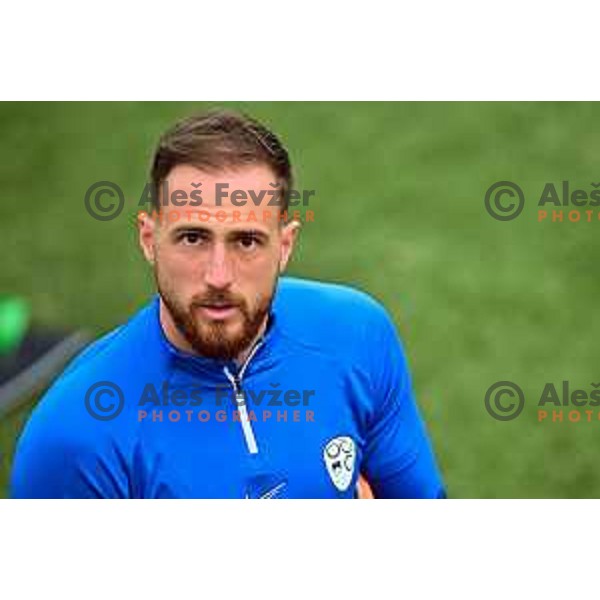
339	456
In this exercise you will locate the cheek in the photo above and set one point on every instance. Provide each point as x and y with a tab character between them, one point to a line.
259	271
257	281
180	271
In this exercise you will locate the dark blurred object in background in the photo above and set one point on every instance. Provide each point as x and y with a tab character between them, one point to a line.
29	355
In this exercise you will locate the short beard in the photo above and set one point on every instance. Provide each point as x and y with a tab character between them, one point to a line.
211	339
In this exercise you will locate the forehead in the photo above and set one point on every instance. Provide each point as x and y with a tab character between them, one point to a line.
244	177
233	198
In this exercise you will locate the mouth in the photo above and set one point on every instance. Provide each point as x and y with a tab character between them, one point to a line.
218	311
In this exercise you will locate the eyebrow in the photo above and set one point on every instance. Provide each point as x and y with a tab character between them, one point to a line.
233	234
187	228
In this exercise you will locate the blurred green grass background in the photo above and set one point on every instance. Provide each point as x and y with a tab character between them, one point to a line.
398	212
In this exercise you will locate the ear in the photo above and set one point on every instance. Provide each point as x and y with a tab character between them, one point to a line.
289	233
147	231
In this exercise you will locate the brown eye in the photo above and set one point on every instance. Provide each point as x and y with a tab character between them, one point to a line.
190	238
249	242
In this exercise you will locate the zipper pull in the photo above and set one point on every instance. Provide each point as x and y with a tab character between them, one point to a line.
240	399
237	387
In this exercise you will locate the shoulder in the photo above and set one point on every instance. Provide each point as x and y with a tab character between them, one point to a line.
134	341
331	314
117	362
73	438
124	352
324	296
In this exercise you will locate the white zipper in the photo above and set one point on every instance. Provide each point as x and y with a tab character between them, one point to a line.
236	382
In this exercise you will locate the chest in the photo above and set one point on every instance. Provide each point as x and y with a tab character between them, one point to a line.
266	439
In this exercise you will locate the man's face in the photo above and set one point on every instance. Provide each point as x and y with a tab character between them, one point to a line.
216	267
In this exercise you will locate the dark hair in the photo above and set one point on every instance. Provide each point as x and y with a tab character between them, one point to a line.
216	140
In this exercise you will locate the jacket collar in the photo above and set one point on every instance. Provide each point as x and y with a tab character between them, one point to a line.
261	359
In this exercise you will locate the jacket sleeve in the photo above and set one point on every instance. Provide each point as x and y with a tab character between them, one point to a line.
398	459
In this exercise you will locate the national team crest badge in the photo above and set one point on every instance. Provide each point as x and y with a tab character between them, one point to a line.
340	455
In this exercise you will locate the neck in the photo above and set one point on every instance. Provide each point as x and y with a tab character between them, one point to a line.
178	340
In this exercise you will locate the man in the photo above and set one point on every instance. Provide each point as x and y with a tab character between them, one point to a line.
232	382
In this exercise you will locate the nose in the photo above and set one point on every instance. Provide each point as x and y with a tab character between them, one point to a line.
219	270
